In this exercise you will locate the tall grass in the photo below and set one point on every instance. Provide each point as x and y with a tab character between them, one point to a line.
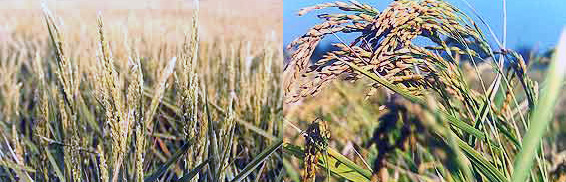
424	104
542	114
154	97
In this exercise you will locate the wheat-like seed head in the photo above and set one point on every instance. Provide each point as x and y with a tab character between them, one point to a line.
102	163
68	86
386	48
316	142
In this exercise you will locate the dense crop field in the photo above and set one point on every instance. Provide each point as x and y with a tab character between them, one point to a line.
185	91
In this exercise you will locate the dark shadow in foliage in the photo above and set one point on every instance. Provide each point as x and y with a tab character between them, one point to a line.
395	131
398	130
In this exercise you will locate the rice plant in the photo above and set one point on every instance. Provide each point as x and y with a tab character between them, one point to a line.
429	98
139	95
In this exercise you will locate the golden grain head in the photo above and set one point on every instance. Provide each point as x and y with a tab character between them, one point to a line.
385	47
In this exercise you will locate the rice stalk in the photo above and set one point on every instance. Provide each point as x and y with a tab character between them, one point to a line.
189	98
474	128
68	77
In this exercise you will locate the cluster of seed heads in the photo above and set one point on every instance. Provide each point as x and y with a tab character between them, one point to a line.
386	47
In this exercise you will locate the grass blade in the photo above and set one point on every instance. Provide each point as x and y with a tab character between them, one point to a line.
55	166
258	160
155	175
486	167
193	172
338	164
542	114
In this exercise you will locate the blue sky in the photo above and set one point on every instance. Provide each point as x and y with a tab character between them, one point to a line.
529	23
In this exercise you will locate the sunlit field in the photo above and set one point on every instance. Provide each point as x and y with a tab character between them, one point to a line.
140	91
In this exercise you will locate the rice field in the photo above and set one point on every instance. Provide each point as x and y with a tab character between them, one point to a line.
419	94
116	91
174	90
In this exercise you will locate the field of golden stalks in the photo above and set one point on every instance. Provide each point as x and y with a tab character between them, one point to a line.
205	91
140	91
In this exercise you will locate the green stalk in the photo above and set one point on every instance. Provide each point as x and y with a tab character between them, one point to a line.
543	113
